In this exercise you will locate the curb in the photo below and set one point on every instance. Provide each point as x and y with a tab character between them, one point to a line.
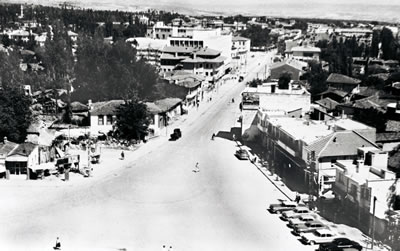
272	181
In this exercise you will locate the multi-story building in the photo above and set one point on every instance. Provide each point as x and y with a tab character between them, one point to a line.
304	53
240	49
294	101
364	187
306	150
148	48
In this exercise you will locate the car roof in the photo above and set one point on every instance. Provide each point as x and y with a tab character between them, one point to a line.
324	231
302	208
289	203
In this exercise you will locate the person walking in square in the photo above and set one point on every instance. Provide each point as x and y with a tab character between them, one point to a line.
196	168
122	155
58	244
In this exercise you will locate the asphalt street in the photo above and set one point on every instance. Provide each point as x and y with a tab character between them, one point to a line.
158	200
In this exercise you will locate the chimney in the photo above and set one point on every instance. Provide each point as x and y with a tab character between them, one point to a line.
360	164
89	104
5	140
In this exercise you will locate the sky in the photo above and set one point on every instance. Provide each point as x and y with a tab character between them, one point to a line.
381	10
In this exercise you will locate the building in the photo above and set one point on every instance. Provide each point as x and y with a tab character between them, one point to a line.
148	48
342	82
304	53
363	186
103	116
294	67
5	148
305	150
268	97
240	49
22	158
163	112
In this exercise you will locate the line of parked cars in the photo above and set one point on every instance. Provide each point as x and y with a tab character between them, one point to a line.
307	224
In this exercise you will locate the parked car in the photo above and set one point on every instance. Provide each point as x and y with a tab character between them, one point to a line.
340	244
282	206
318	236
242	154
241	78
309	227
295	213
176	134
302	220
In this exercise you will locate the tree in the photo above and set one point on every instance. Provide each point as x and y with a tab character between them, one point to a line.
105	72
374	50
388	44
316	78
15	115
132	120
254	82
284	80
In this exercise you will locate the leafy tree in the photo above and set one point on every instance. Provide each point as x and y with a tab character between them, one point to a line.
254	82
375	44
105	72
388	44
132	120
284	80
316	78
15	115
259	36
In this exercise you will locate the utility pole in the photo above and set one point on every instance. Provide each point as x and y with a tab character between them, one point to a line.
373	224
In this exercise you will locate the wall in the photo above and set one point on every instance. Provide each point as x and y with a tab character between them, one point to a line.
95	127
286	102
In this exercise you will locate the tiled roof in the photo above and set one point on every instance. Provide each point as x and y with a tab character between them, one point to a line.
293	63
207	52
7	147
335	91
78	106
106	107
394	160
327	103
153	108
393	126
342	79
388	137
239	38
23	149
341	143
167	103
367	91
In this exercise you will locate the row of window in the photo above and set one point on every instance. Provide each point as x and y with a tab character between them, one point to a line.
109	119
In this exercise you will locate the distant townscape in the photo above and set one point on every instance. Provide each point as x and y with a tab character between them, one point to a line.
114	102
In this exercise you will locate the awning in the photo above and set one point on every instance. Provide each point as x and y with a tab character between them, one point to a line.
2	168
43	166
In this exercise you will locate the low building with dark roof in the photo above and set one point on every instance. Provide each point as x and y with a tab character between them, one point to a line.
103	116
22	158
342	82
294	67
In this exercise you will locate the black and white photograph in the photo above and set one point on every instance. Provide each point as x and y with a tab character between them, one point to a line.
199	125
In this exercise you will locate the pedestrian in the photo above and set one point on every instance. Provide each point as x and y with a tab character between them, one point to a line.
122	155
58	244
197	168
234	137
297	200
164	248
170	248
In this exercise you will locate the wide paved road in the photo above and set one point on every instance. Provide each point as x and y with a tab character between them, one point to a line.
158	200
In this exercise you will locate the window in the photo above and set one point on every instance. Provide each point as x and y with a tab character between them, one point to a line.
353	190
109	120
101	120
206	73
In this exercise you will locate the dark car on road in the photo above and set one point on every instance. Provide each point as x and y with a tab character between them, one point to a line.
282	206
242	154
340	244
176	134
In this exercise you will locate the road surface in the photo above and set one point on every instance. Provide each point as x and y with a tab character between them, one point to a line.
157	199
